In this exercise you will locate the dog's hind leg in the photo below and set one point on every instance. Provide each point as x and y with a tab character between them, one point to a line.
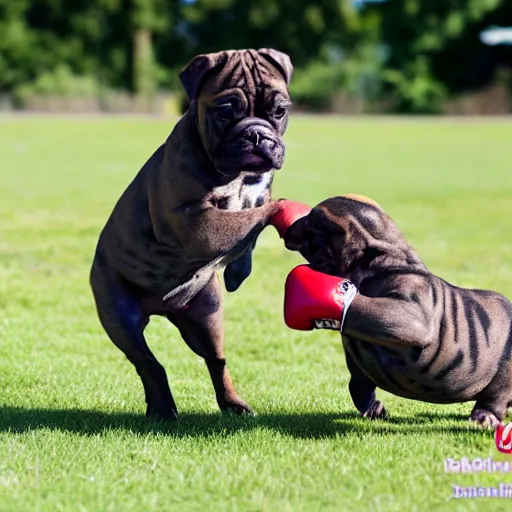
202	327
362	391
482	416
124	322
492	403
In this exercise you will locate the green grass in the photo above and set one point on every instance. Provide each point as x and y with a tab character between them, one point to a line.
72	432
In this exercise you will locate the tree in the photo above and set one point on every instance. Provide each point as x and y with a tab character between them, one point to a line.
302	28
431	45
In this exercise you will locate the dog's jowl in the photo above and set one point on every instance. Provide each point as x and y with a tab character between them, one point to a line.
196	207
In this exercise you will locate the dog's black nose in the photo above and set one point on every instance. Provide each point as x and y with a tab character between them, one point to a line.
254	137
257	135
265	144
261	142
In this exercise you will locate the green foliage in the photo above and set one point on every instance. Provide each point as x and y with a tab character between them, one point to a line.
38	36
315	85
61	82
300	27
17	44
358	75
415	53
415	89
433	47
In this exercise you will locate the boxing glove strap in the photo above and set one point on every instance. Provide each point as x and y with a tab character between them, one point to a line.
344	294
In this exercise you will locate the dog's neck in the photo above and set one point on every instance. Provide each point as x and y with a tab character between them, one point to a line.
390	262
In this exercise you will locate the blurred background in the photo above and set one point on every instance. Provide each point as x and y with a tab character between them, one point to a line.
350	56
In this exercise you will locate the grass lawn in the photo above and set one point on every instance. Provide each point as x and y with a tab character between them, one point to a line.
72	432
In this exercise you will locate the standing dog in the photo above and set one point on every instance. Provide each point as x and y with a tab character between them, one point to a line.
407	331
196	207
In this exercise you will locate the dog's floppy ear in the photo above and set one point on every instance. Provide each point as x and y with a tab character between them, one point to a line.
197	70
279	60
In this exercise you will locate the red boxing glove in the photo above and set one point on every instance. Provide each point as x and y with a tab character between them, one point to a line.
314	300
289	212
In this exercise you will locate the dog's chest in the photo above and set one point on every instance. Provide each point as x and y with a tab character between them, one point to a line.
247	191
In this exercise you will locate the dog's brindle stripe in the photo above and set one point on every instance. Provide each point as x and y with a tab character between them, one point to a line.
468	307
484	321
454	363
454	310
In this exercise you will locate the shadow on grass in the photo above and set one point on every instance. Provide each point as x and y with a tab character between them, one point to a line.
299	425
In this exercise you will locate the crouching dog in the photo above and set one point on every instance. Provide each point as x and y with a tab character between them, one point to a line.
403	329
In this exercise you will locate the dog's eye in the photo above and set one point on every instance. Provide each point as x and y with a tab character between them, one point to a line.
280	112
225	111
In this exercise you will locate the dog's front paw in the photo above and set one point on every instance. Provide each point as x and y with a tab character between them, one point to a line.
236	405
238	271
484	419
376	411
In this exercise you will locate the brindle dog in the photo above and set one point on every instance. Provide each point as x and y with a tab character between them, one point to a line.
407	331
196	207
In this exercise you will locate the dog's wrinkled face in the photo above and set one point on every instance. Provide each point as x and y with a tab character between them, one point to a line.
342	233
241	105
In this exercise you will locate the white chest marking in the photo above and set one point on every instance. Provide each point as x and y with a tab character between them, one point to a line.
257	189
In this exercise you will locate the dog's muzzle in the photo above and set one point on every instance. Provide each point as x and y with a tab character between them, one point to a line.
253	144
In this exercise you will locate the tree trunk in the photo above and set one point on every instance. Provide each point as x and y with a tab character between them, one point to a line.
143	68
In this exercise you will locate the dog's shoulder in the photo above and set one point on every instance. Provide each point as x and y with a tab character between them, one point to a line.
397	282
